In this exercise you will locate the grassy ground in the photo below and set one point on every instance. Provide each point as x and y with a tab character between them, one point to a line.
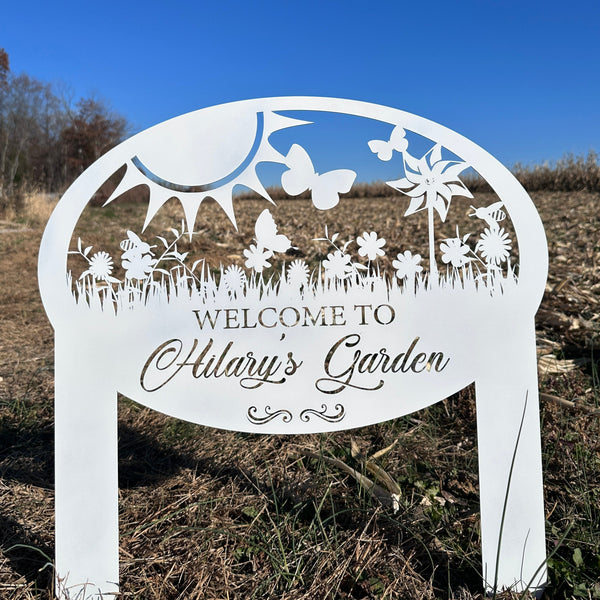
214	514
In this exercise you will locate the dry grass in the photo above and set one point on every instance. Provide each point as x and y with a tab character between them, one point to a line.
38	206
32	209
571	173
214	514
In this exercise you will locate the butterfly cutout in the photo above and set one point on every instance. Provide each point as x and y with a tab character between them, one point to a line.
267	237
384	150
301	176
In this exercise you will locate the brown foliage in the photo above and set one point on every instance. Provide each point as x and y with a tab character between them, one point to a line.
92	131
4	66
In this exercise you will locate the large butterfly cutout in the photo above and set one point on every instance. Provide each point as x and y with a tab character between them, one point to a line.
325	188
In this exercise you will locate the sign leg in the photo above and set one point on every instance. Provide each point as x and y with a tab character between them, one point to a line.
510	467
86	475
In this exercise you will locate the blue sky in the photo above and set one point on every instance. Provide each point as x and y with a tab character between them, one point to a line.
521	79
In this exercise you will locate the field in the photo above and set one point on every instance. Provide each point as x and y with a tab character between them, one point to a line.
212	514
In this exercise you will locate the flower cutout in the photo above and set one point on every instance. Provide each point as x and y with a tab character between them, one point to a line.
338	264
100	266
431	182
138	266
257	258
297	273
234	278
494	246
370	245
407	265
454	251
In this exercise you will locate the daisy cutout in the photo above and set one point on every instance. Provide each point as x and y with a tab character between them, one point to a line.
370	245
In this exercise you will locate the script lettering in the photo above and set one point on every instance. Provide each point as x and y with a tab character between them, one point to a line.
346	362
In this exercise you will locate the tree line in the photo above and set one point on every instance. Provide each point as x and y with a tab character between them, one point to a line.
46	140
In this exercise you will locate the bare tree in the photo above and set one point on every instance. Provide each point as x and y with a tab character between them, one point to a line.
93	130
45	140
24	103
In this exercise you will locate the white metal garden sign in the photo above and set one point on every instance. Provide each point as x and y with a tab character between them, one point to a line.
310	347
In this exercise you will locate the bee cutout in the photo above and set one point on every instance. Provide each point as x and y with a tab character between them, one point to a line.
133	247
267	237
137	257
492	214
385	150
325	188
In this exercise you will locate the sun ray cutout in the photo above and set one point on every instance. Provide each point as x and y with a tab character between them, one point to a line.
191	196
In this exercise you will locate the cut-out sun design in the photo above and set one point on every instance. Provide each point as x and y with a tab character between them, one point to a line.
203	164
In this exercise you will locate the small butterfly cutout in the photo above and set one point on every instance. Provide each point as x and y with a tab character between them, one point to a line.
267	237
384	150
325	188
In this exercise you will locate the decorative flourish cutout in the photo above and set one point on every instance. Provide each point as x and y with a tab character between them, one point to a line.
286	415
307	413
